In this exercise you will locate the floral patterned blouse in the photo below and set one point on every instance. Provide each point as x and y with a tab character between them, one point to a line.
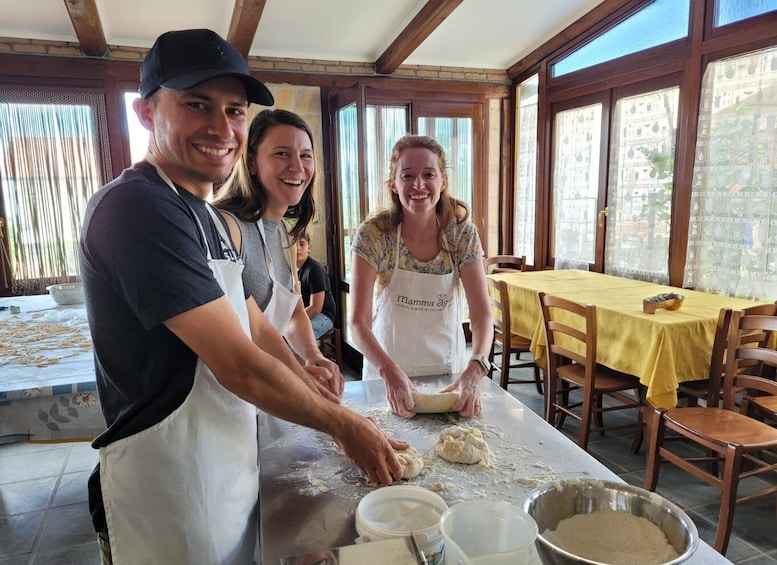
378	249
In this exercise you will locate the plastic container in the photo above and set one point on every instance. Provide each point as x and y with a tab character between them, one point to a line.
67	293
486	532
402	510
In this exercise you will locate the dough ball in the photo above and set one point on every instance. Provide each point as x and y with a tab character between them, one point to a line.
435	403
412	462
458	444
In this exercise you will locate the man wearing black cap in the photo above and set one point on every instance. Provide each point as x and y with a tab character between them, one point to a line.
183	356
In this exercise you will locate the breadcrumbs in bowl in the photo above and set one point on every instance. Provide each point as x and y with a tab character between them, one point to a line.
619	522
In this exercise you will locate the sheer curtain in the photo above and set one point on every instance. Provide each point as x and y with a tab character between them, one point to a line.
732	239
639	202
52	159
576	186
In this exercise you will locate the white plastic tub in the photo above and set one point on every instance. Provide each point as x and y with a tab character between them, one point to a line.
67	293
402	510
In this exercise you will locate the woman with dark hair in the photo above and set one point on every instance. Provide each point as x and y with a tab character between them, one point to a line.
417	253
274	181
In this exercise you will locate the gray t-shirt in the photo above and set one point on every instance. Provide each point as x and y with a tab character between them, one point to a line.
256	275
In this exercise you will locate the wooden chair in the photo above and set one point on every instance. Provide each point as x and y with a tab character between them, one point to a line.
728	437
510	343
331	347
568	370
504	264
710	387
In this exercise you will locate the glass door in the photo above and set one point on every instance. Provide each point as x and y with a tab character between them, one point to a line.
612	183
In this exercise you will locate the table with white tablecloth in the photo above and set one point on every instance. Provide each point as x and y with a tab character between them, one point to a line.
47	383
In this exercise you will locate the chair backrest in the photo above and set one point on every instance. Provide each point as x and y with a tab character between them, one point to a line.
749	350
504	264
500	307
720	344
561	320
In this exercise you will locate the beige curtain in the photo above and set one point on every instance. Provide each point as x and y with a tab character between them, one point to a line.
52	160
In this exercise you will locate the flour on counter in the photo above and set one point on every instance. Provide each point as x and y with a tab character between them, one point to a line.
509	473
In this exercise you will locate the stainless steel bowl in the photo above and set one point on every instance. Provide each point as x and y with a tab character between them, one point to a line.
555	501
67	293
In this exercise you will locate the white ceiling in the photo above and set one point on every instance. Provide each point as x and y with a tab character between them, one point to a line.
490	34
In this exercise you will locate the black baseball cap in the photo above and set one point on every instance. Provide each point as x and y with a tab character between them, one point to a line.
182	59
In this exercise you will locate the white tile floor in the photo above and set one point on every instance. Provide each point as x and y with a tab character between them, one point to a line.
44	517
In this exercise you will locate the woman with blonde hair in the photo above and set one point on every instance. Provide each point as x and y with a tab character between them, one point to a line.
417	253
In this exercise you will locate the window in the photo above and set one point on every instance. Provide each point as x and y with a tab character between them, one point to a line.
732	241
53	157
386	124
455	136
527	101
138	135
348	180
657	23
641	185
576	185
730	11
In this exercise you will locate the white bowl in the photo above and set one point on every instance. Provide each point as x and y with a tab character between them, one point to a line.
402	510
67	293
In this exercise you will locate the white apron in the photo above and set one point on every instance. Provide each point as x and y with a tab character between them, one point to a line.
282	300
185	491
418	322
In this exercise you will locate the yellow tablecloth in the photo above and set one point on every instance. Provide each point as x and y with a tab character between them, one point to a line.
662	349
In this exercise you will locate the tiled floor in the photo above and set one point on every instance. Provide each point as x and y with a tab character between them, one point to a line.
44	517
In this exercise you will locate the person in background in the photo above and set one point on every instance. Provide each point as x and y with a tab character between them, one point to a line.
315	289
416	253
272	181
183	357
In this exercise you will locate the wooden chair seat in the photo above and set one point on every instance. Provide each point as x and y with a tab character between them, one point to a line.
767	404
734	443
716	425
607	380
514	346
569	370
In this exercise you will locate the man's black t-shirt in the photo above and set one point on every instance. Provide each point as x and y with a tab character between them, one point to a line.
143	261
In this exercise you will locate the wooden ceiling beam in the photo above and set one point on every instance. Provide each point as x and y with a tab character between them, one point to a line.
245	22
86	23
421	26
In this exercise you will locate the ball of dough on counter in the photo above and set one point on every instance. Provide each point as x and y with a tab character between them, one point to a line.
412	462
458	444
435	403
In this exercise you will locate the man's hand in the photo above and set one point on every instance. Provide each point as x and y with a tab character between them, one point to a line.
371	450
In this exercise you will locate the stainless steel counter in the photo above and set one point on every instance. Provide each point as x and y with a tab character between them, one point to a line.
309	490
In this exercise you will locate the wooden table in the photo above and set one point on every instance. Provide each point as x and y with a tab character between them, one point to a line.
662	349
309	490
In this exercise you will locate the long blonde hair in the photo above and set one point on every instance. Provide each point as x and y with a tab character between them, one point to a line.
448	207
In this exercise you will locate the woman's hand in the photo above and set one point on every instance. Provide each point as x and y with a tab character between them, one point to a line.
468	385
399	390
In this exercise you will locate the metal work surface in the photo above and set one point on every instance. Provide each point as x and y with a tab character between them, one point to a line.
309	490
